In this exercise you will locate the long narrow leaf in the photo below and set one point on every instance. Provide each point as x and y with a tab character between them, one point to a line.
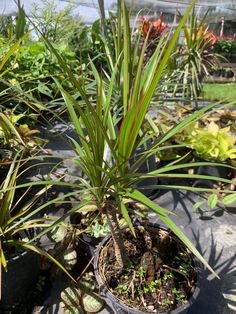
171	225
41	253
134	119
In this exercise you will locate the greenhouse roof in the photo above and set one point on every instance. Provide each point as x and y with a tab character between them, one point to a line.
88	9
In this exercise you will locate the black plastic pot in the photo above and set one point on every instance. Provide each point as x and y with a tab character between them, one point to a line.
5	154
3	174
19	279
228	74
148	165
214	171
120	307
217	72
89	244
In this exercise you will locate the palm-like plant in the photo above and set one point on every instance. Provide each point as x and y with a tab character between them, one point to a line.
104	151
19	219
195	56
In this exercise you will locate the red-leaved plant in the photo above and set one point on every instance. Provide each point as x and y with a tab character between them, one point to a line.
153	30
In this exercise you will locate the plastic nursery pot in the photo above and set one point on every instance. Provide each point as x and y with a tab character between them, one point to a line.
3	173
89	244
18	281
147	165
215	171
228	74
217	73
119	306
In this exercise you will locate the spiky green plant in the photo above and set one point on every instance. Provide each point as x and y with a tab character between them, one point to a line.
19	220
104	151
196	56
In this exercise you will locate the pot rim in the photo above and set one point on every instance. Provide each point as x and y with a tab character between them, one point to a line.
106	292
24	251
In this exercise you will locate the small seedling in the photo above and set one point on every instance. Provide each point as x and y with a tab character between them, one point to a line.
121	288
180	296
166	303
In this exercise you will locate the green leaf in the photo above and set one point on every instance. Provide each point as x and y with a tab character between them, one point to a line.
198	205
188	176
212	201
161	213
140	197
10	128
92	303
190	188
69	258
43	89
3	260
229	199
20	22
70	301
8	55
126	215
58	233
8	189
15	118
42	253
126	59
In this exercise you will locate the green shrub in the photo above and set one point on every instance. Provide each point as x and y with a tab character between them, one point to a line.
225	46
34	66
211	143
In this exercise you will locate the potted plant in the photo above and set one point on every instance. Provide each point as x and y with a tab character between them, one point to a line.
20	225
213	144
104	154
195	56
93	227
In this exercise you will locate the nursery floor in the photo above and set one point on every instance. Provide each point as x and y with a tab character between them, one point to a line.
213	232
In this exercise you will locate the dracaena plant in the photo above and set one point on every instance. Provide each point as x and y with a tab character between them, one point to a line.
104	151
196	55
122	40
19	219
